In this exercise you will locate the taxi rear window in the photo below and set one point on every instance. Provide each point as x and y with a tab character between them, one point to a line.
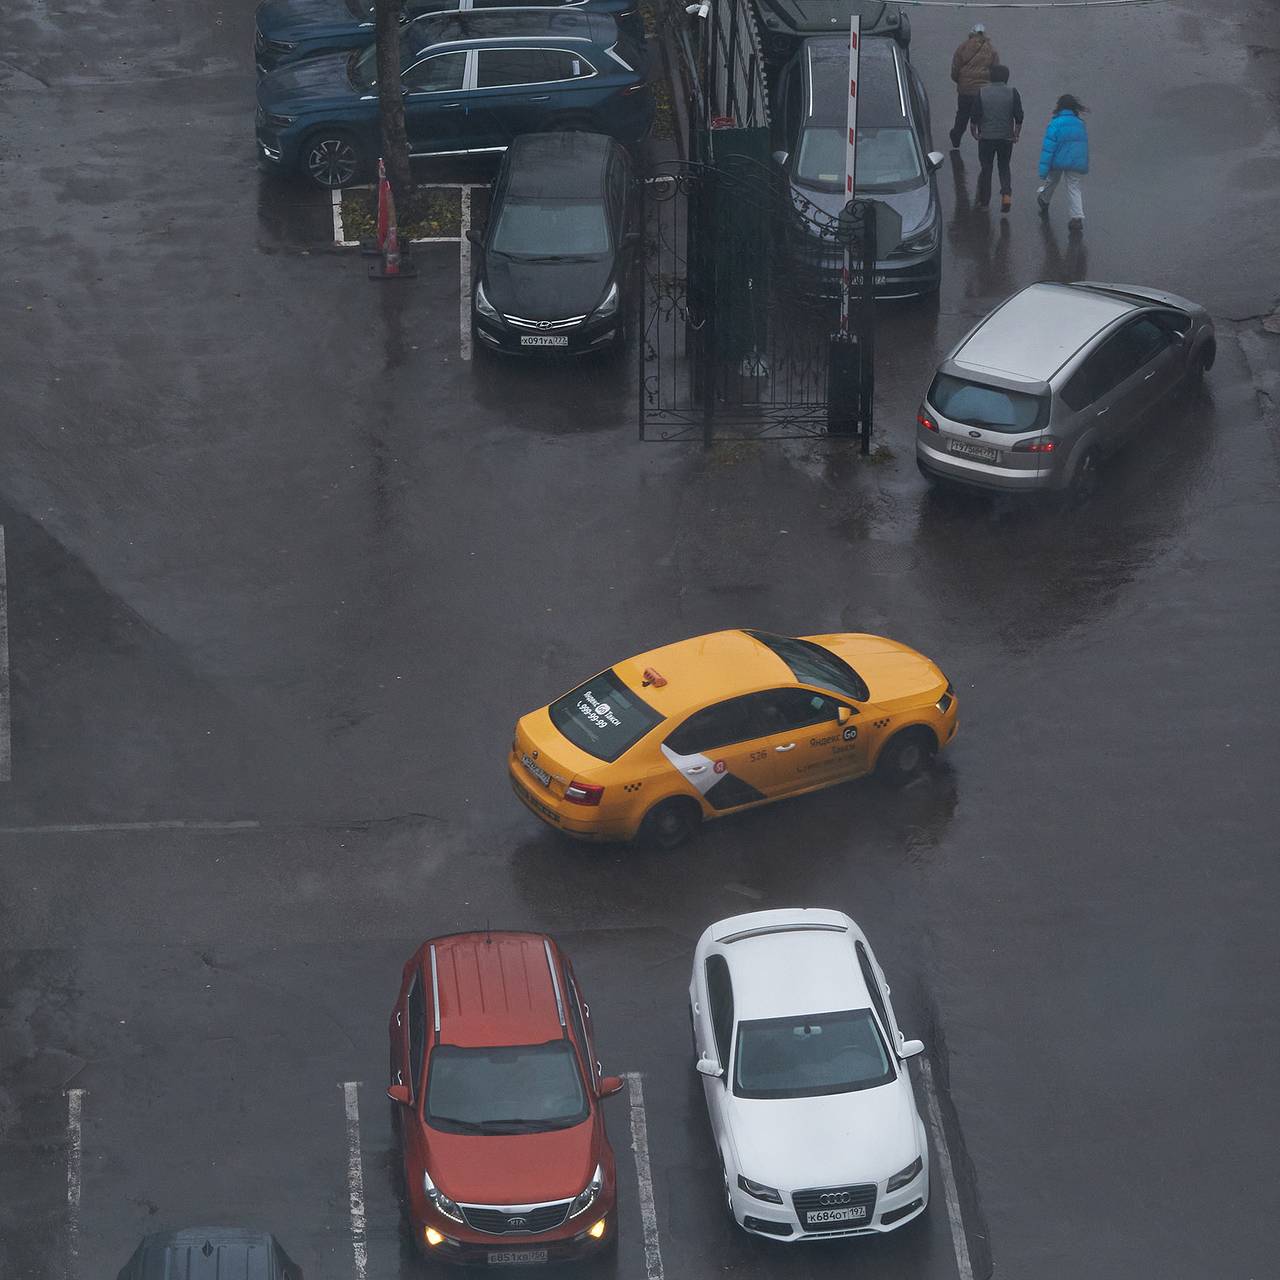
603	717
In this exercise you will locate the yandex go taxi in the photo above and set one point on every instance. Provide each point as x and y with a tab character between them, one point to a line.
649	748
496	1089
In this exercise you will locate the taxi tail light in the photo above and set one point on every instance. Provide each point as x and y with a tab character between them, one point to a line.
1041	444
583	793
923	420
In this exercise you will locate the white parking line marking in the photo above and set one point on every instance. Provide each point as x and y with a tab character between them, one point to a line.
640	1145
168	824
464	278
958	1239
355	1178
5	761
75	1104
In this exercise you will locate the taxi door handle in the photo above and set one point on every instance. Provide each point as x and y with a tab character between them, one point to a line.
1102	411
1151	375
541	97
791	746
695	768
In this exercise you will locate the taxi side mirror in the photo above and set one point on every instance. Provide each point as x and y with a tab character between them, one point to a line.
844	715
400	1093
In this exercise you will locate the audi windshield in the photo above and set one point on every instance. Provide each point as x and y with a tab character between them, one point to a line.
807	1057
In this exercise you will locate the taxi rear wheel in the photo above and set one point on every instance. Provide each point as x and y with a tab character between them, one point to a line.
669	824
905	757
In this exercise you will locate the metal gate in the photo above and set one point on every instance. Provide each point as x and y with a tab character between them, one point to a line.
739	302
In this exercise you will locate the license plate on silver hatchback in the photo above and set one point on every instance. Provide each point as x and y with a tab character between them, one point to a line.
544	339
516	1257
979	452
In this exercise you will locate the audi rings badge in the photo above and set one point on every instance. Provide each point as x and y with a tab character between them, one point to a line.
835	1197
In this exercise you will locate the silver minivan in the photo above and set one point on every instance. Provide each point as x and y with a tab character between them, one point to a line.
1056	378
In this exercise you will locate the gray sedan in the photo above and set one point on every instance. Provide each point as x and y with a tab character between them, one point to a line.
1054	380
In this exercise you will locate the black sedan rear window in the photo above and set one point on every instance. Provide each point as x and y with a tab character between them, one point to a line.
603	717
978	405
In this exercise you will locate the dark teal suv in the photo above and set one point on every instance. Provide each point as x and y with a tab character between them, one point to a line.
472	81
290	30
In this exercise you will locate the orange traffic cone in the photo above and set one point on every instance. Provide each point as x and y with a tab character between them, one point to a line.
374	248
393	266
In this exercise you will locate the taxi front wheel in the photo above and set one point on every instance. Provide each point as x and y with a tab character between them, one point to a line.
905	757
669	824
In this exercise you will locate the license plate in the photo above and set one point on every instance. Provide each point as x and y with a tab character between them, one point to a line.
982	452
541	774
854	1213
544	339
514	1257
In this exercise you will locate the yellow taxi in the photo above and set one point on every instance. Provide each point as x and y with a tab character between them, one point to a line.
654	745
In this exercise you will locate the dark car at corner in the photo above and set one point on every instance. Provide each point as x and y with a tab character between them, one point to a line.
557	254
290	30
472	81
210	1253
895	164
785	24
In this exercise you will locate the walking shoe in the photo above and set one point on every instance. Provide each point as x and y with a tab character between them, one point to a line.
1044	208
1075	224
981	204
1006	203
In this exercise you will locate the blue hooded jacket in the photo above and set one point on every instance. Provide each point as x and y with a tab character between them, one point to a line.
1066	144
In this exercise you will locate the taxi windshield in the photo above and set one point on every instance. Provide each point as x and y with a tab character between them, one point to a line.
812	664
603	717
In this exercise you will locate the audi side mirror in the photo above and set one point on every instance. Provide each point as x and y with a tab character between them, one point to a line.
400	1093
934	160
609	1085
710	1067
909	1048
781	158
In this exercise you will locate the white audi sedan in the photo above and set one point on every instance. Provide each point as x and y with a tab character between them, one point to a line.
805	1075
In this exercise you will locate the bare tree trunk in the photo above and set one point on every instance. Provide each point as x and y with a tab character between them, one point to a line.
395	144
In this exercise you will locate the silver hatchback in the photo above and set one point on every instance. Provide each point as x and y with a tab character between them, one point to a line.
1054	380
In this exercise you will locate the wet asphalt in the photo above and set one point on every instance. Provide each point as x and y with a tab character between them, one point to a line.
283	568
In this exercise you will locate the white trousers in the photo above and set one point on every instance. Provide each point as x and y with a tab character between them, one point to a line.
1075	190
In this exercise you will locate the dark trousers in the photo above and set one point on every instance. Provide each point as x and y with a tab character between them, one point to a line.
964	109
989	149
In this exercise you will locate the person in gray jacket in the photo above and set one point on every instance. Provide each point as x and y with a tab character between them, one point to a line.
996	123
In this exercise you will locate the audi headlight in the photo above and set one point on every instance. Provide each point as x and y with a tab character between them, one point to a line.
905	1176
609	305
587	1196
925	241
280	122
483	305
759	1190
439	1199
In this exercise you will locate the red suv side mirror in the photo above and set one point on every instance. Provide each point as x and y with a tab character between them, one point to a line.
400	1093
609	1085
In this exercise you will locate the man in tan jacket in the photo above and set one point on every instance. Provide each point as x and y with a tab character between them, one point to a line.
970	69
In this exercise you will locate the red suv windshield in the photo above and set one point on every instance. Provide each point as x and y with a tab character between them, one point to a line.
528	1088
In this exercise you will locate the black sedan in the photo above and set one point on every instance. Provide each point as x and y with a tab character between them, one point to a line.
557	253
290	30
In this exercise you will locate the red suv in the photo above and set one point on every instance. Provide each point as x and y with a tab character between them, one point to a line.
494	1073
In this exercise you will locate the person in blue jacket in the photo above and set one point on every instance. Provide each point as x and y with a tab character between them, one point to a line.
1064	154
